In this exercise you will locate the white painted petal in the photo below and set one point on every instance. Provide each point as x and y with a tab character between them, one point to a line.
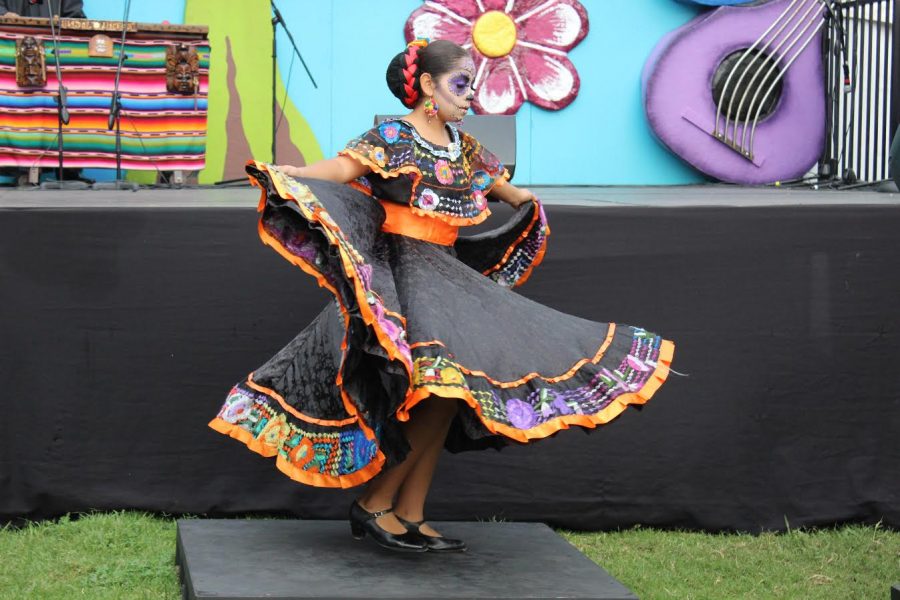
498	92
550	80
561	25
426	23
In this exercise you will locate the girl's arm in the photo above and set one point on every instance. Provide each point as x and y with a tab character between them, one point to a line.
511	194
340	169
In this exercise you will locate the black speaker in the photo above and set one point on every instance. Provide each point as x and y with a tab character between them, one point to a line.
895	158
497	133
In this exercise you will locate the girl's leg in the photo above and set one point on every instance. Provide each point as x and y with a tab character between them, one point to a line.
429	420
410	503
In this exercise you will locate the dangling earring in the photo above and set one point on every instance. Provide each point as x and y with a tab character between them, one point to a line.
431	109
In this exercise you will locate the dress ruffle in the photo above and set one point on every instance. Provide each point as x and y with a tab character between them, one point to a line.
412	319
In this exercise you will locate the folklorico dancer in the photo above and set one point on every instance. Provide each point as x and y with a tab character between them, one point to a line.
425	345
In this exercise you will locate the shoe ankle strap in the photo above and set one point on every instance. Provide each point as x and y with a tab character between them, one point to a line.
377	513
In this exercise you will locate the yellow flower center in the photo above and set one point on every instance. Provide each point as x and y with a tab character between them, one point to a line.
494	34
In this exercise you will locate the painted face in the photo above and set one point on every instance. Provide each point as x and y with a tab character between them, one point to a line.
460	83
455	90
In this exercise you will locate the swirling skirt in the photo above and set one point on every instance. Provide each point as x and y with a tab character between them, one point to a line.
410	319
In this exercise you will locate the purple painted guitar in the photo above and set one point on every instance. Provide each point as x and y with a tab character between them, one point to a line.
739	92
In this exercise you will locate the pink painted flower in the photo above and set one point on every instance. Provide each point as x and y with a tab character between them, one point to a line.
520	47
480	199
443	172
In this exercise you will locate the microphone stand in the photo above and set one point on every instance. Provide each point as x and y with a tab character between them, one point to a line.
276	19
62	109
115	116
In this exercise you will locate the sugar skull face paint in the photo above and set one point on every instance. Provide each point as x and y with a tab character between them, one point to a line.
455	90
460	83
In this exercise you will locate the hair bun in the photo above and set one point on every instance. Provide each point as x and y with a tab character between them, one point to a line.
420	56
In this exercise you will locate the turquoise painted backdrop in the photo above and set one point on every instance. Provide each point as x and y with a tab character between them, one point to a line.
600	139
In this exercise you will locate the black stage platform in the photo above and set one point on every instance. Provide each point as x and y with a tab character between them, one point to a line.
315	560
126	317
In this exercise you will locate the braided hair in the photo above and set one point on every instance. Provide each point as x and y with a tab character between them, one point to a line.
405	69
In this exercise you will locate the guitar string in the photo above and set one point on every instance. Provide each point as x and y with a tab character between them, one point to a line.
779	72
776	70
760	57
778	55
748	52
806	44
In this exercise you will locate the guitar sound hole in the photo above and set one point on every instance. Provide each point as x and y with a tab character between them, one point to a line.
754	73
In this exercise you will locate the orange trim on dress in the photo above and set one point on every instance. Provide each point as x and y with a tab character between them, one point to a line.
401	220
498	181
614	409
428	343
539	257
293	411
555	379
415	397
512	246
284	465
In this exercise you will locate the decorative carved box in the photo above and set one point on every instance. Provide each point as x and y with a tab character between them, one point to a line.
182	69
100	45
31	66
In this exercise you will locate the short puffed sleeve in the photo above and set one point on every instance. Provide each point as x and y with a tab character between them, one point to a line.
387	149
486	168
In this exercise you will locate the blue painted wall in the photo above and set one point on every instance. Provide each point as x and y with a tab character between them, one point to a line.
155	11
601	139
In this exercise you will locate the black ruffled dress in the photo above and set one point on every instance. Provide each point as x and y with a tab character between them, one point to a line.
418	311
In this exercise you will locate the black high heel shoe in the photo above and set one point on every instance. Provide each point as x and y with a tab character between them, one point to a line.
363	522
434	543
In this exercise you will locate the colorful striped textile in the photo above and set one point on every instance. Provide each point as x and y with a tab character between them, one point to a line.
159	130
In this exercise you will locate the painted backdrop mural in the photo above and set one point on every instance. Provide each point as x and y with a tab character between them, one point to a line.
600	137
240	122
240	83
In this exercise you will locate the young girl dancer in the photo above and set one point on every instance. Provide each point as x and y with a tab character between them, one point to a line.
425	346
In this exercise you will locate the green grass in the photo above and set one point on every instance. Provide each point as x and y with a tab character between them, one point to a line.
118	555
124	555
844	563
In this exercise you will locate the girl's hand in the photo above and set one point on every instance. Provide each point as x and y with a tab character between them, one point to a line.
290	170
512	195
524	196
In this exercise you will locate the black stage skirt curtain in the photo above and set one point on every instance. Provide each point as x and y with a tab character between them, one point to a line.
121	329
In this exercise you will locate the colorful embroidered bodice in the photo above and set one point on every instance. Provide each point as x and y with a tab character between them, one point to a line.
449	183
